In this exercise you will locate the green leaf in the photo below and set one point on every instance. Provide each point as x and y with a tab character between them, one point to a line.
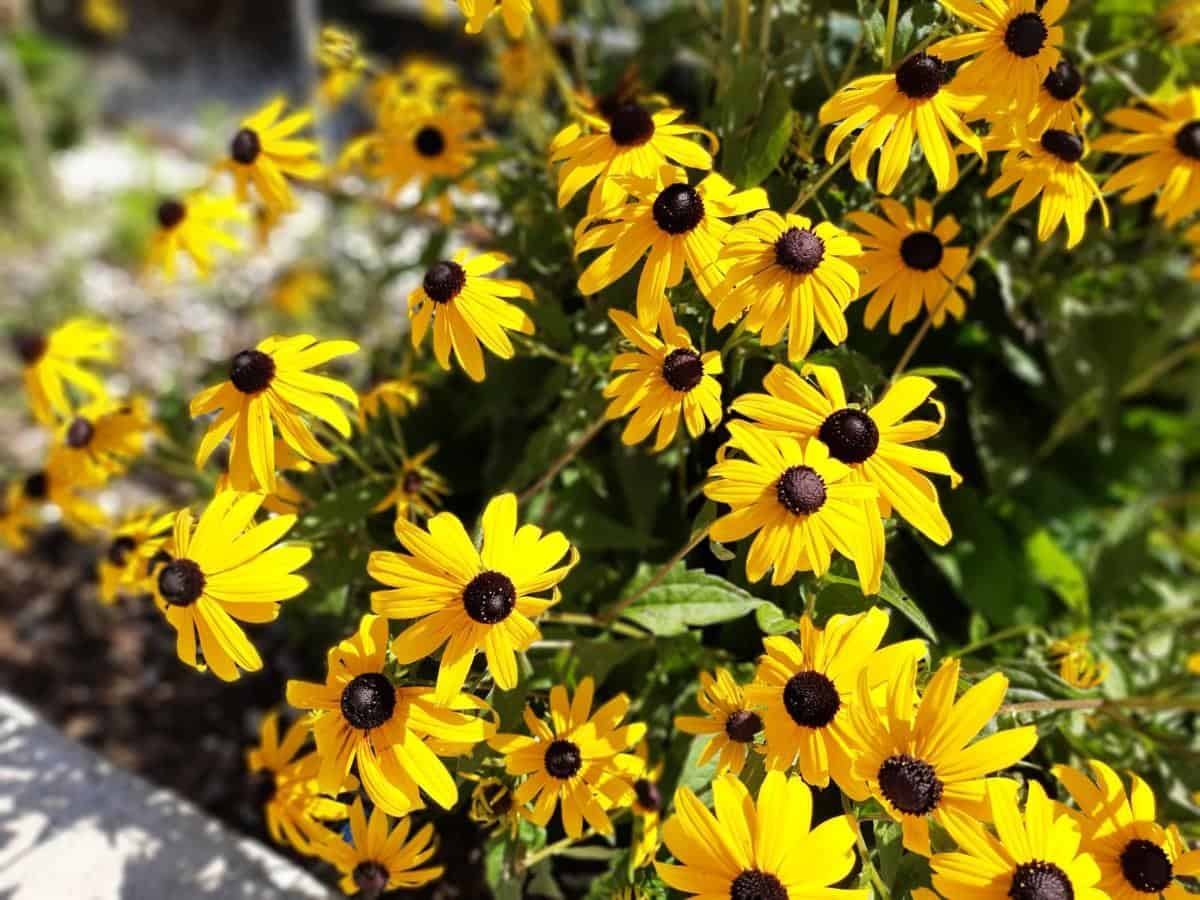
687	598
773	620
940	372
752	160
890	592
1054	567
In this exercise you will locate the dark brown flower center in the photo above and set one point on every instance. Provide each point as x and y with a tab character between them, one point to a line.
251	371
801	490
489	598
682	369
1064	81
799	250
80	433
120	548
811	699
649	797
922	250
910	785
1187	140
630	125
850	434
181	582
30	346
170	213
368	701
430	142
1026	35
372	879
1146	866
742	725
444	281
413	482
36	486
678	209
1062	144
562	759
245	147
921	76
1040	880
755	885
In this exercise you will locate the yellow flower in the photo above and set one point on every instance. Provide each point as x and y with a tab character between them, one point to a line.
380	857
514	12
397	394
790	276
1059	103
466	308
271	386
1037	855
194	226
1193	663
227	570
758	851
492	805
1181	22
914	752
647	805
524	74
1076	664
79	514
51	365
578	759
1137	857
1166	135
908	264
101	441
799	502
286	498
124	569
419	490
917	103
671	221
805	690
296	291
629	140
393	734
266	151
18	514
728	718
106	16
339	55
662	381
468	599
419	78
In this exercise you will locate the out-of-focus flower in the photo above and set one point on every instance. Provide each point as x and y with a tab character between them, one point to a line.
106	16
51	365
419	489
266	151
398	395
295	292
193	226
514	12
1077	665
101	441
124	567
379	856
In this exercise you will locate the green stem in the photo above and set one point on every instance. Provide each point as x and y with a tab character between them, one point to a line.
1001	635
569	454
864	853
807	195
889	36
613	612
583	619
1188	704
351	454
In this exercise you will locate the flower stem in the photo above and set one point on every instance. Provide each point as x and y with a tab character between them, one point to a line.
569	454
889	36
1100	704
864	853
611	614
586	620
807	195
998	636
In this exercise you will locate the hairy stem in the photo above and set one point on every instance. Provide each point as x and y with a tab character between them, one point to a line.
613	612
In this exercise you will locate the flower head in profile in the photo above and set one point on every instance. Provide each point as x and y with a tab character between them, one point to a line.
799	503
101	440
580	760
267	150
1077	665
124	565
53	366
1138	858
1165	136
918	103
19	515
915	752
647	807
662	382
396	395
466	307
787	276
764	850
340	57
470	600
1035	855
515	13
670	222
492	806
392	735
380	856
418	491
270	387
421	79
295	292
225	570
908	264
194	226
805	689
729	721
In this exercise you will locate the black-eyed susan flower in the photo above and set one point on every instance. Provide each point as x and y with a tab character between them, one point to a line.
515	13
1180	21
907	264
915	104
419	489
470	600
286	498
670	222
1165	134
18	515
53	366
393	735
764	850
194	225
45	488
342	63
578	759
227	570
787	276
1037	855
124	566
800	504
629	140
425	79
466	307
398	395
1077	665
524	71
298	289
804	691
876	443
1013	49
100	440
732	726
647	807
915	752
380	856
492	805
270	387
662	381
108	17
266	151
1059	103
287	787
1138	858
1050	166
